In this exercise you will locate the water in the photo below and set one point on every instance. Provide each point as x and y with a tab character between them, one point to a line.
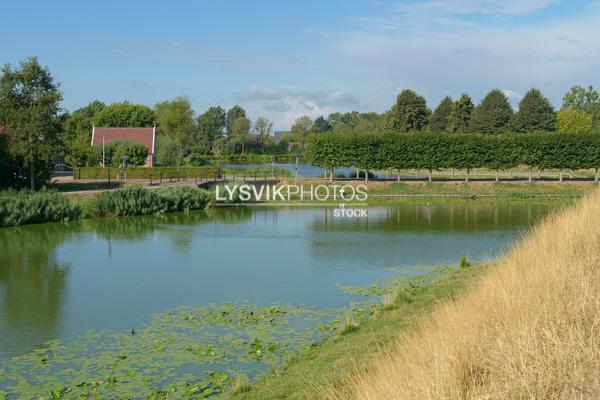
304	170
58	280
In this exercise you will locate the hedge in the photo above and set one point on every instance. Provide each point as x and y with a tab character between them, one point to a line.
433	151
25	207
173	172
142	172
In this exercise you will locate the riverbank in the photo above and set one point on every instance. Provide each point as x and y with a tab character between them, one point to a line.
527	329
310	373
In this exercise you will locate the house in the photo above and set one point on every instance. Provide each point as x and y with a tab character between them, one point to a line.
144	136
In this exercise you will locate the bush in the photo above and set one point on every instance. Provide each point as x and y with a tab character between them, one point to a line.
185	197
25	207
139	201
135	201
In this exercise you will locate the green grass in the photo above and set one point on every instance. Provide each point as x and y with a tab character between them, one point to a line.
350	350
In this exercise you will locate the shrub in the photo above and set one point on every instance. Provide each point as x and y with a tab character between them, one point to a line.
134	201
25	207
139	201
185	197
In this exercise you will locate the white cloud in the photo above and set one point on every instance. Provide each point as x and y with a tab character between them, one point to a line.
451	13
284	104
552	56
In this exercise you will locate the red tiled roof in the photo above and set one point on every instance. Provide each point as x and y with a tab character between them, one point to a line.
143	136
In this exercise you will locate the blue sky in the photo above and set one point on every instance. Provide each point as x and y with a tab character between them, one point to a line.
282	59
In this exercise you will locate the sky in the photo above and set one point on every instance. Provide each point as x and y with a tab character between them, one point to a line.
285	58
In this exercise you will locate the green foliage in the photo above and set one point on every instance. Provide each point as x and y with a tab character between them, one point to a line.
587	100
139	201
493	114
212	124
464	261
6	163
409	114
135	153
440	119
301	129
321	125
168	151
535	114
115	151
144	173
572	120
233	114
77	135
24	207
460	116
124	115
175	119
29	113
461	151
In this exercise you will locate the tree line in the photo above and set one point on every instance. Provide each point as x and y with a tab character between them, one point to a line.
34	128
434	151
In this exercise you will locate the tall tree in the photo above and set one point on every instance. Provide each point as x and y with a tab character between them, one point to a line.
587	100
211	125
409	114
535	114
239	132
175	119
233	114
29	112
77	134
460	116
124	115
440	118
493	114
301	129
263	129
321	125
572	120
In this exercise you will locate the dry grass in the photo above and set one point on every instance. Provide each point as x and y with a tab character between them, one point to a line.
530	329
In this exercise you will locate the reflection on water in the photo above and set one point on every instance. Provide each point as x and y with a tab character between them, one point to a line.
57	280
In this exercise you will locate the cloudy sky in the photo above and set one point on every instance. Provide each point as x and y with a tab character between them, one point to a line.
286	58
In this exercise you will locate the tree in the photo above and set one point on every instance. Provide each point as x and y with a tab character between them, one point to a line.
572	120
535	114
124	115
239	132
211	125
587	100
460	116
301	129
409	114
493	114
135	153
168	151
440	118
263	128
321	125
233	114
29	112
175	119
77	134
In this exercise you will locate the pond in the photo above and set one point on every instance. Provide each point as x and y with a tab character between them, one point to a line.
58	281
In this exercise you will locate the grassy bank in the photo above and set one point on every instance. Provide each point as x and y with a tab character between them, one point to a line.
527	329
308	374
24	207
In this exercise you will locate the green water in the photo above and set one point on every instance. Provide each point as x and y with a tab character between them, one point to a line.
58	281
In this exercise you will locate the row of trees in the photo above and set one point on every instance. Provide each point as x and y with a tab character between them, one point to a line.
580	112
181	137
381	151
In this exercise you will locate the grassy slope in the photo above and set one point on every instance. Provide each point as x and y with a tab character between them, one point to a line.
307	375
528	329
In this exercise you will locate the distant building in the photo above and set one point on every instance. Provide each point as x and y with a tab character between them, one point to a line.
144	136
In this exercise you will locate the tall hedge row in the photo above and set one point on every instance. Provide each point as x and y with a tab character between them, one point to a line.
432	151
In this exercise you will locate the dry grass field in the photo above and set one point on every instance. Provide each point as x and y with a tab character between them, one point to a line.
529	329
